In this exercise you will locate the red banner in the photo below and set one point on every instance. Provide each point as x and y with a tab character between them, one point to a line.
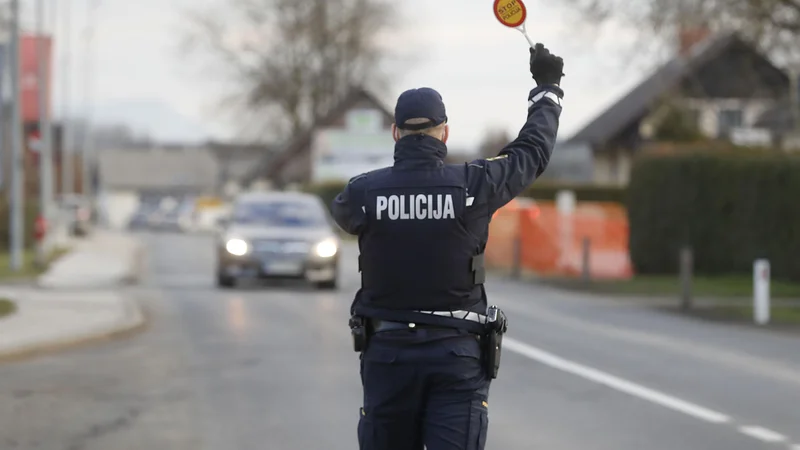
29	75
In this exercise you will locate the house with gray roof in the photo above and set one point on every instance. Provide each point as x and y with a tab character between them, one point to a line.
352	138
236	160
159	172
358	126
127	178
723	86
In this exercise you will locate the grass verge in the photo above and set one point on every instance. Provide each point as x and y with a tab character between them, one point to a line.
719	287
29	268
783	317
7	307
778	315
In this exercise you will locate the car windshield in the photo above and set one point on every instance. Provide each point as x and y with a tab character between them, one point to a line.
279	214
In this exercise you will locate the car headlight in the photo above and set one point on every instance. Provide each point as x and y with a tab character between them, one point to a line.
326	248
236	247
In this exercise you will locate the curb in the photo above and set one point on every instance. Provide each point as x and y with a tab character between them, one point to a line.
136	320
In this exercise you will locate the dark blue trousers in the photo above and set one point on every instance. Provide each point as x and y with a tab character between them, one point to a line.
423	388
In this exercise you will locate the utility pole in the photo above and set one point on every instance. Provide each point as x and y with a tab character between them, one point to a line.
53	72
794	98
88	150
790	141
45	141
17	156
67	169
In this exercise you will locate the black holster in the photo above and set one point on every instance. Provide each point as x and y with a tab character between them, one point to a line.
496	326
492	349
359	331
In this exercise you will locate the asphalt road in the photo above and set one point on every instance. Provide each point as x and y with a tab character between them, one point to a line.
271	368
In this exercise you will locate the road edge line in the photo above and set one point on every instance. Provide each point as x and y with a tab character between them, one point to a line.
615	382
763	434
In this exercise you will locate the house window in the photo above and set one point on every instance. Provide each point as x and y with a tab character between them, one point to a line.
728	119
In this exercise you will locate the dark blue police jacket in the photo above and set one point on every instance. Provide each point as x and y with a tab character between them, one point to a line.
423	224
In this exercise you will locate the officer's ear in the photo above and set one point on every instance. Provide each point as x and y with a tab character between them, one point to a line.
446	134
395	133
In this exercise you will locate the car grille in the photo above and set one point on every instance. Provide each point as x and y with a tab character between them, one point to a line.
280	247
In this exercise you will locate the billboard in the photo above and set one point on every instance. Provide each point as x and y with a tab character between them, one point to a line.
365	144
29	75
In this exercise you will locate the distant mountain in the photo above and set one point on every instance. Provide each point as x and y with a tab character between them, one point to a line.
154	118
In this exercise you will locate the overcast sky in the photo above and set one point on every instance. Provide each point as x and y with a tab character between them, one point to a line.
479	66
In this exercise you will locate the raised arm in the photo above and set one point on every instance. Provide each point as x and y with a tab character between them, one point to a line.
501	178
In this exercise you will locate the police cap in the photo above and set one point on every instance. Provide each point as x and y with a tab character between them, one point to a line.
418	104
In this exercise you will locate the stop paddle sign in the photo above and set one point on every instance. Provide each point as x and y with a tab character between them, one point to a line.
512	13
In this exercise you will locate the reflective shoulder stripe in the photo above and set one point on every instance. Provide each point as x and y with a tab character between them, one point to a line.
495	158
544	94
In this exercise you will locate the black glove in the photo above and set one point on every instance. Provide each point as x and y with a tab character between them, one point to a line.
546	68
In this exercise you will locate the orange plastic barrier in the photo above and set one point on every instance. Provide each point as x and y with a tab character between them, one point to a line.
503	231
552	244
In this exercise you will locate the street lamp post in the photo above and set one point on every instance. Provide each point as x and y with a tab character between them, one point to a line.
17	190
87	147
67	169
45	143
794	99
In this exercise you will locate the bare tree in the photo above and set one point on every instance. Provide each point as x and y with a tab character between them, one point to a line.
289	62
774	24
493	142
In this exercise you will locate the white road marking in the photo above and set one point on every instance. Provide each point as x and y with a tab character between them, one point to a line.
614	382
762	434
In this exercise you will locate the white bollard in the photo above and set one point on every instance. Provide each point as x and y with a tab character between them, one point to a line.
566	204
761	292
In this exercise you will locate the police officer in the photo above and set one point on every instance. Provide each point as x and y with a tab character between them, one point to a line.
428	347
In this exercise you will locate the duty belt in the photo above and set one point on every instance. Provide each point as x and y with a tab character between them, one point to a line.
379	326
463	320
387	325
462	315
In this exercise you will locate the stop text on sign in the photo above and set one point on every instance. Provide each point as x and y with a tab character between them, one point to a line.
510	13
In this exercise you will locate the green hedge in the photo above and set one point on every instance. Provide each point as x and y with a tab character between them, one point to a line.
538	191
730	207
31	212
